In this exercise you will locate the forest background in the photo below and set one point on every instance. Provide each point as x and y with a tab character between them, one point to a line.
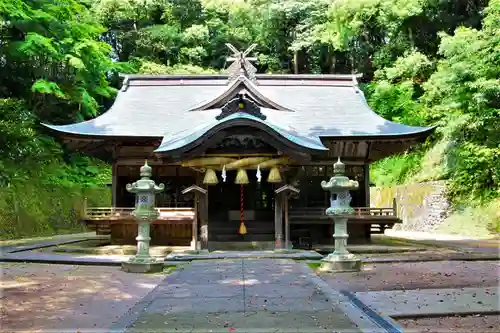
424	62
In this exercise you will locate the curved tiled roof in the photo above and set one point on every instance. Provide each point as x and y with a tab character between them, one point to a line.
314	106
187	137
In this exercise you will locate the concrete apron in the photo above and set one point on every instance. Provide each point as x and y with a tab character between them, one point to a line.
248	295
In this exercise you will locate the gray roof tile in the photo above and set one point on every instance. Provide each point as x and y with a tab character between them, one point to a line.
324	106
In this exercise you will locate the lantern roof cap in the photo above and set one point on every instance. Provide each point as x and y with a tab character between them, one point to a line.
146	170
338	167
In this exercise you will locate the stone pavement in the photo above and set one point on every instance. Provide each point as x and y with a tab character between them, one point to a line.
433	302
244	295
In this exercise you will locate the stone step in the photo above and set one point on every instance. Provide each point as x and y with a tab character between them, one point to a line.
233	229
241	245
235	237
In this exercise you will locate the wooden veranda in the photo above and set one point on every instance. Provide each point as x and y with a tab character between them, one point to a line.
175	225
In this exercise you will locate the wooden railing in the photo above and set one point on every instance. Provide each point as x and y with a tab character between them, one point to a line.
102	213
373	211
359	211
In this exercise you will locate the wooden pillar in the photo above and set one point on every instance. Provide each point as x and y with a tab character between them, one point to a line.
287	223
284	193
194	233
278	221
200	212
204	222
366	177
366	183
114	184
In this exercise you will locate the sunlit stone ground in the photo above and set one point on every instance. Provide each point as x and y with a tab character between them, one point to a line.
43	297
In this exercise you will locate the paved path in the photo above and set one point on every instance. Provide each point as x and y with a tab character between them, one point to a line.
432	302
240	296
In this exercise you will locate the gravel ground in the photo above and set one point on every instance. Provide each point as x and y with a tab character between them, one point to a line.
418	275
427	275
483	324
43	297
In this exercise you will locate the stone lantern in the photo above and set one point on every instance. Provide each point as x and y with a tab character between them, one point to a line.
340	199
145	213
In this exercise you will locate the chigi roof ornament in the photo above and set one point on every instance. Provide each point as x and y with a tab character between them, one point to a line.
241	63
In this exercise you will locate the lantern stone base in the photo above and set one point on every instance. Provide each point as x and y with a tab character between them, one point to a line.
340	263
151	266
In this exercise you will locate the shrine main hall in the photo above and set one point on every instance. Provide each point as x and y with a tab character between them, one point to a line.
242	156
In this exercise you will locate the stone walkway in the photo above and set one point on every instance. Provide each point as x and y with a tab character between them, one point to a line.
241	296
432	302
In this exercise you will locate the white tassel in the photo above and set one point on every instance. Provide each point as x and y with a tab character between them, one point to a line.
259	175
224	174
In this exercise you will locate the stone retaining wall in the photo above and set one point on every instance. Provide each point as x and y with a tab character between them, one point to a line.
421	206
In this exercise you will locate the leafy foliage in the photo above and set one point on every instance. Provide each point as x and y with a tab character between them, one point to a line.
424	62
463	96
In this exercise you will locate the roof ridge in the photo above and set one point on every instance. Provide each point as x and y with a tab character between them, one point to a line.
343	77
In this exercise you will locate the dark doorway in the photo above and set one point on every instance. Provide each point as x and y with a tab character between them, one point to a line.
224	202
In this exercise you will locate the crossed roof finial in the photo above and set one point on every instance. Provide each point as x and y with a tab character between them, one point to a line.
241	63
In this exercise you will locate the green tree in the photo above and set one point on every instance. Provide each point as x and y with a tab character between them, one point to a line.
53	59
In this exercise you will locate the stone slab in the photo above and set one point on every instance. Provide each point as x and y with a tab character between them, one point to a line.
259	321
207	290
277	291
219	255
288	304
202	304
432	302
134	267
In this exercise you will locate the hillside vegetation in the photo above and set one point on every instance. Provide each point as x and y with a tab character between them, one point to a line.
424	62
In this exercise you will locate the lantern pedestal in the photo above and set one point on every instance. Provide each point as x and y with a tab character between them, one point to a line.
142	262
341	260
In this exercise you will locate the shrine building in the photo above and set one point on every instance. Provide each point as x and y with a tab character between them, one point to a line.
242	156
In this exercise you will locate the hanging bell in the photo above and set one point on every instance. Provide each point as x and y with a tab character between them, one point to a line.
241	177
274	175
210	177
242	230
